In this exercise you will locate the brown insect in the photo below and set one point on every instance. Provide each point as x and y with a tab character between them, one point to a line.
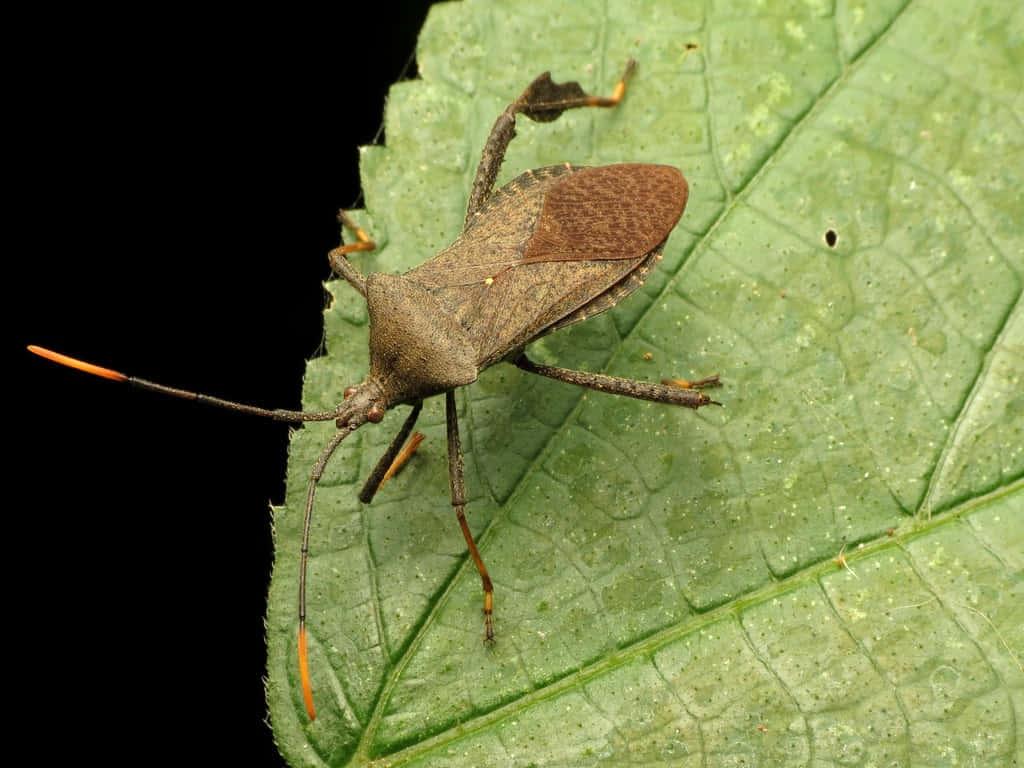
554	246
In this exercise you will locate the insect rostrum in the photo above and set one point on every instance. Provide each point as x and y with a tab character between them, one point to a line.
553	247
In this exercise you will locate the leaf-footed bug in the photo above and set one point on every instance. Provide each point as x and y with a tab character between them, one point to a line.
552	247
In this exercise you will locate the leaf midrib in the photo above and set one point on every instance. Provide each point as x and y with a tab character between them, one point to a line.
649	646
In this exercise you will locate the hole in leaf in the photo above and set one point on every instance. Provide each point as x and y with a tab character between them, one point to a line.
831	237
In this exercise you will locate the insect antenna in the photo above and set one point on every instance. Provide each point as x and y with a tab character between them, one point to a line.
277	414
347	415
314	478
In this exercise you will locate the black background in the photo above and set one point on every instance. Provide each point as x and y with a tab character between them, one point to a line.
176	183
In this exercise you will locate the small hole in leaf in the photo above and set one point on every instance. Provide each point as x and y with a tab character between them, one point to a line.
831	238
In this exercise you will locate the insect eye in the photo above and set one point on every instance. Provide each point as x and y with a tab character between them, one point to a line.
349	391
376	414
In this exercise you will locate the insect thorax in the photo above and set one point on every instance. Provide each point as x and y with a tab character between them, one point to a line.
417	348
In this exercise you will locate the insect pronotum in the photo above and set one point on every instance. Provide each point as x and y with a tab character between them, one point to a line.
554	246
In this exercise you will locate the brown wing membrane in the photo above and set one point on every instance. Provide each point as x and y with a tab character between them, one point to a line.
608	212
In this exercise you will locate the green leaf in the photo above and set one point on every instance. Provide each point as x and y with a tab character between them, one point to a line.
827	570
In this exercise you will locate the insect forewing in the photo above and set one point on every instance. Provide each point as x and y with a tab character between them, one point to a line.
556	240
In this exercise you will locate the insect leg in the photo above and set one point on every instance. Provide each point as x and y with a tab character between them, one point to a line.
458	485
374	480
710	381
546	101
404	455
543	101
643	390
342	266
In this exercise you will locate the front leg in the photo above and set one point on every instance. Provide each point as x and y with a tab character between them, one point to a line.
374	481
543	101
341	265
458	485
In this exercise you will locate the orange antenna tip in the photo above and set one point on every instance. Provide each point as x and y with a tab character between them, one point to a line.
307	688
79	365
